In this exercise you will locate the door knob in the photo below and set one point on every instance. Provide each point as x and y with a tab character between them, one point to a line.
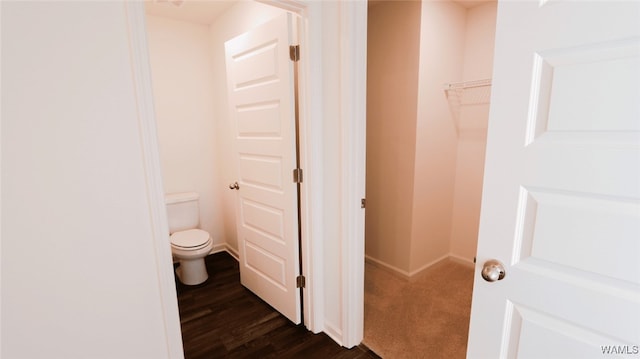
493	270
234	185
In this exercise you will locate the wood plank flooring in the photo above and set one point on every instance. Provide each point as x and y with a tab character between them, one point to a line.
222	319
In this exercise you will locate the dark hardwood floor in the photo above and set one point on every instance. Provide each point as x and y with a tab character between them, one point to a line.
222	319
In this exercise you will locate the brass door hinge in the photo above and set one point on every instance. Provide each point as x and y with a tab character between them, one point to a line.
294	53
297	175
300	281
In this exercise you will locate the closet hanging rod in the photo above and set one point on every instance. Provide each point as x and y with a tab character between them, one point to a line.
467	84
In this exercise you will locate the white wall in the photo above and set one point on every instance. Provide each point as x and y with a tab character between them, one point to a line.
414	48
393	53
190	93
79	271
478	65
441	56
81	294
425	212
182	74
479	41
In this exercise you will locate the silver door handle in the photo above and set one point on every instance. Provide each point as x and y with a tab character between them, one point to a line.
234	185
493	270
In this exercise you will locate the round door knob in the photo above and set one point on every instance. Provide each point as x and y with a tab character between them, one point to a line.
493	270
234	185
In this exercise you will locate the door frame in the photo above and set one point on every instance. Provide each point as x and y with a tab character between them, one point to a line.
347	104
310	162
141	78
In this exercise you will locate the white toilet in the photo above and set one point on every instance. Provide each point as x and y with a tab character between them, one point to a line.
188	243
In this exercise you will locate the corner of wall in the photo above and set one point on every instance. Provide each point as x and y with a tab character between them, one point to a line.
392	105
441	52
478	65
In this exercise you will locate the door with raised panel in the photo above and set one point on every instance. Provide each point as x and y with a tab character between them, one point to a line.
261	108
561	200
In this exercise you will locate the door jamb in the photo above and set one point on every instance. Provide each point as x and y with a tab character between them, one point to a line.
350	93
141	78
353	105
310	113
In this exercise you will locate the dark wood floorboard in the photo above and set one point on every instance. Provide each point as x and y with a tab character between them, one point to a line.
222	319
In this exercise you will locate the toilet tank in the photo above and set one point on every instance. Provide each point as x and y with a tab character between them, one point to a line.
182	211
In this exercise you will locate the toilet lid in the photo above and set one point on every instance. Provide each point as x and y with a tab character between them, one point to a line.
190	238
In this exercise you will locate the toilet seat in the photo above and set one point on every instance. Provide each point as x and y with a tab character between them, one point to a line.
191	239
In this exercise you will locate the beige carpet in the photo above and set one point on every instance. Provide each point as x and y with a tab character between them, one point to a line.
425	317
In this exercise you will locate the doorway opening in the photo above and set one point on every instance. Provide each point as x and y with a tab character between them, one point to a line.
428	85
188	65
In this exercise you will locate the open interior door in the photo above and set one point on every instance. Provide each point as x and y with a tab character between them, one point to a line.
561	200
261	108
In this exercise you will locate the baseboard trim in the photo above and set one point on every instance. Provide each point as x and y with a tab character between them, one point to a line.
232	252
333	332
224	247
410	275
462	260
388	267
425	267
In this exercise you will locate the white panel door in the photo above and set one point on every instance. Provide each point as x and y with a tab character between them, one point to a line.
261	97
561	201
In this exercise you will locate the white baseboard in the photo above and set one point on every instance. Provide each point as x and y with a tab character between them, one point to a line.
217	248
224	247
333	332
410	275
388	267
232	252
420	270
462	260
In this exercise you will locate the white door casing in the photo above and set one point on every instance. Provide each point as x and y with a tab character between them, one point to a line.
341	100
561	200
261	109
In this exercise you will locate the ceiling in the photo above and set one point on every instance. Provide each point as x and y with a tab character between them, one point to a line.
464	3
206	11
198	11
471	3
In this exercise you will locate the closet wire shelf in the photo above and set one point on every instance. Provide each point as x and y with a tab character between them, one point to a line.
467	93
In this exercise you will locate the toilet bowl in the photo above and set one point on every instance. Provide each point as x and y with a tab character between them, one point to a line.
190	247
